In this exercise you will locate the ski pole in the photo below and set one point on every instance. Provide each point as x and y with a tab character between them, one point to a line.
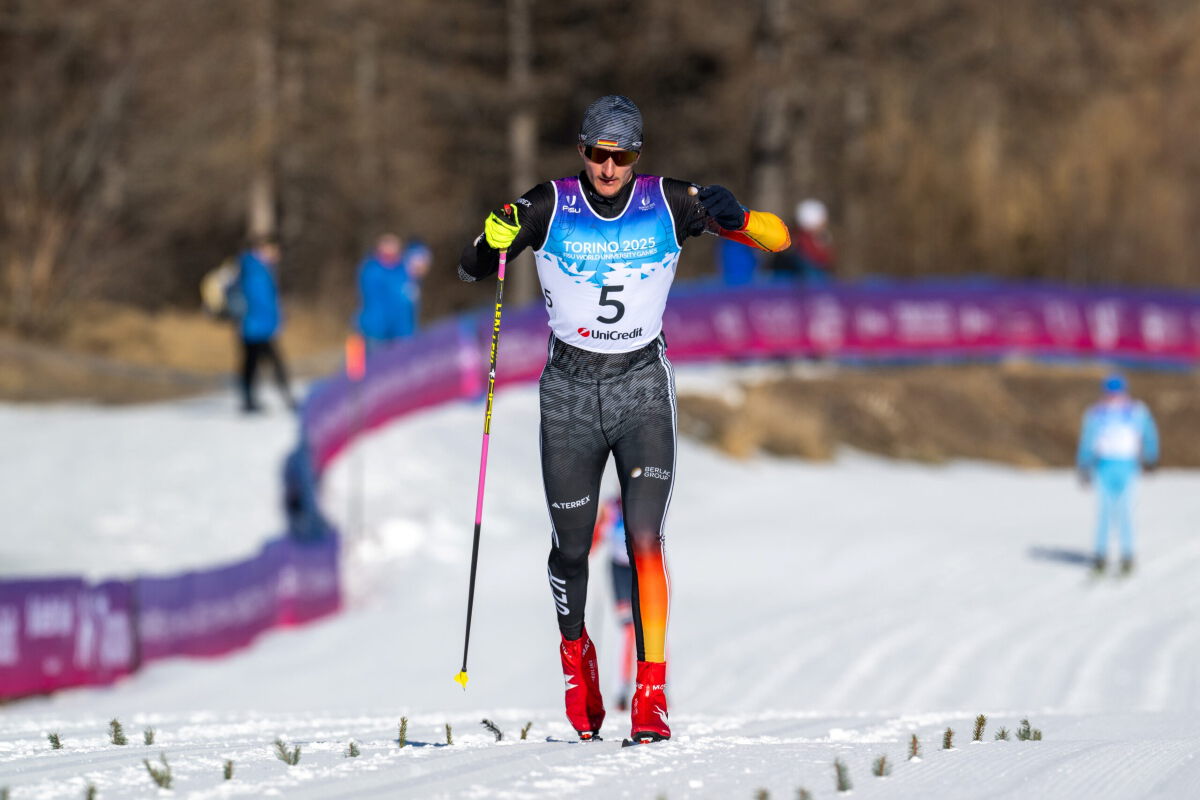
356	371
461	677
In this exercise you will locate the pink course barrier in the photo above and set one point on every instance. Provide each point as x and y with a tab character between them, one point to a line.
864	322
63	632
57	633
925	321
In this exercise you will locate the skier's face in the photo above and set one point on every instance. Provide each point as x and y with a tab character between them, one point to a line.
606	176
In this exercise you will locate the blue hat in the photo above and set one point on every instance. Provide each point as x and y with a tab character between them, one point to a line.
417	248
1115	384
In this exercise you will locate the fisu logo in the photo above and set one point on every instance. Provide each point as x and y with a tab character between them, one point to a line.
646	203
569	205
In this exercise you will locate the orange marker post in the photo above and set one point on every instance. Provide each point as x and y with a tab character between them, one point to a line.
356	357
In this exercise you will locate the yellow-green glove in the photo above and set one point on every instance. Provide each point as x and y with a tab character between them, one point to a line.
501	227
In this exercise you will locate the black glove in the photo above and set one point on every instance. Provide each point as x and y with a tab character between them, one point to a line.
723	207
1151	466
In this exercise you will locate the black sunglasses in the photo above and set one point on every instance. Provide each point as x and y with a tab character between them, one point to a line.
622	158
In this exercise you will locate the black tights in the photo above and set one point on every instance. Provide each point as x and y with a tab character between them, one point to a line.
252	353
594	405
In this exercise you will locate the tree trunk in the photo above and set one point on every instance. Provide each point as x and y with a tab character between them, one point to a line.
522	129
366	95
855	177
772	117
260	219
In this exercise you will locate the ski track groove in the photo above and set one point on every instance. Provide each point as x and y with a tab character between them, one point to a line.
861	671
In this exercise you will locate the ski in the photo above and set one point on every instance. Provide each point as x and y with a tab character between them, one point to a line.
643	738
580	740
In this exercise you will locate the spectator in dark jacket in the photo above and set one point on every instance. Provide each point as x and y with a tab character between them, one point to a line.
260	320
811	257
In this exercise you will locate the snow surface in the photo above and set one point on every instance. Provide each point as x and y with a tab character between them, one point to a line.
820	612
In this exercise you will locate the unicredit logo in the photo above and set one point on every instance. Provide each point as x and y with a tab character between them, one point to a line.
610	336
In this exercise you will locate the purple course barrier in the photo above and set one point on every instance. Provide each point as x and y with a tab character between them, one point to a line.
63	632
885	321
934	321
442	364
213	612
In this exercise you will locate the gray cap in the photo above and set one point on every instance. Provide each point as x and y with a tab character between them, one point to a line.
612	121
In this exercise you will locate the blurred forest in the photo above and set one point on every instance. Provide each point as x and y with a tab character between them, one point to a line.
140	142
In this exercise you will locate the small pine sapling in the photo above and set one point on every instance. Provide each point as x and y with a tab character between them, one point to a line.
1027	733
449	734
948	739
842	773
160	775
491	726
762	794
148	736
116	733
90	792
1002	734
403	731
881	767
803	794
914	748
525	730
228	769
289	757
55	741
352	751
3	793
980	725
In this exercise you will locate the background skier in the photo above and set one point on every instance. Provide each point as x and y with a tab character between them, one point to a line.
1118	440
610	529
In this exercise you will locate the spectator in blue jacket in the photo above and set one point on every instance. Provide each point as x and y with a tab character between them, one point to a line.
259	320
389	282
1118	440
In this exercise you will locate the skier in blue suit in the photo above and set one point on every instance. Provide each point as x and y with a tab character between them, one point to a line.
1118	440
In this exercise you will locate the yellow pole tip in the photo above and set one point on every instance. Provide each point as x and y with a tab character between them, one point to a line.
461	679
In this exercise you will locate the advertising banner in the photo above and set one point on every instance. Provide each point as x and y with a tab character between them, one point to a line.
212	612
870	321
63	632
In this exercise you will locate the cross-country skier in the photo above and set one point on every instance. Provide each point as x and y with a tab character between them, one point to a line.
610	528
606	242
1117	441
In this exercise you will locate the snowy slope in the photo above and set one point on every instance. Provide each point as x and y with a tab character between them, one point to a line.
118	491
820	612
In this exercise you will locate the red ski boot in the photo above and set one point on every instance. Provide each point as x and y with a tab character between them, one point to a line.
650	704
585	705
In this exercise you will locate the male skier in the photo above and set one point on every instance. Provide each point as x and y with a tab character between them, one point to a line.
606	242
1117	441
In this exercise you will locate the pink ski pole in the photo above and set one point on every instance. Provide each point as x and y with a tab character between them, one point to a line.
461	677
